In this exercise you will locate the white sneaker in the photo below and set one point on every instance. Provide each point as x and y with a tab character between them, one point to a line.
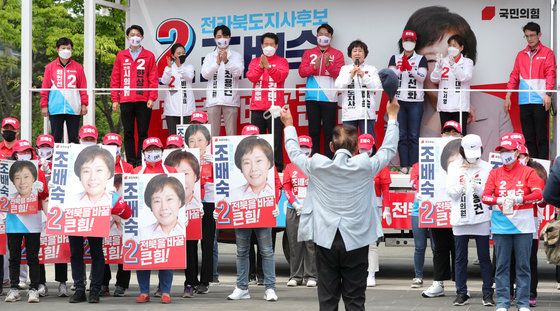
558	286
270	295
33	295
371	281
43	290
291	283
311	283
13	295
62	290
416	283
22	285
501	309
523	309
436	290
239	293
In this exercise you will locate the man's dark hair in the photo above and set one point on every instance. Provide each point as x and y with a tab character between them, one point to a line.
225	30
135	27
64	41
269	35
157	184
327	27
247	145
19	166
176	157
175	46
357	44
532	26
193	128
89	154
450	129
460	41
345	137
433	22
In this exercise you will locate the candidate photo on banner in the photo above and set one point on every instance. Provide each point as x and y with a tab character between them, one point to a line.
436	155
81	198
244	181
198	136
155	235
19	187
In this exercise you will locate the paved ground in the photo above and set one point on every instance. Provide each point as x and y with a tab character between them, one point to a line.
393	290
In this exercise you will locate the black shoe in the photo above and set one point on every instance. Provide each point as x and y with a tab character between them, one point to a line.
202	288
487	300
79	296
461	300
93	296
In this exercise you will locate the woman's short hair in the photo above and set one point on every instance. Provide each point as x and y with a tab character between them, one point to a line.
159	182
89	154
18	166
249	143
358	44
451	149
193	128
176	157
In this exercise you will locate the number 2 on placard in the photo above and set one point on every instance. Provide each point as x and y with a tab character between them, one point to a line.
223	210
4	204
53	223
131	248
426	213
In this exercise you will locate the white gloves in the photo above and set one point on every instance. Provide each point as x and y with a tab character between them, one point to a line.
297	207
379	201
518	199
50	185
464	185
112	190
476	183
276	211
215	214
420	198
37	186
45	167
201	211
387	215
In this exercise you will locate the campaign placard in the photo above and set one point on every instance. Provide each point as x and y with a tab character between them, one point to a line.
155	236
82	181
16	187
3	238
244	181
401	208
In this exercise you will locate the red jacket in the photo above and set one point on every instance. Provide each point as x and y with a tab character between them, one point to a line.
273	77
322	77
294	181
154	168
139	73
122	167
382	183
5	151
414	174
71	76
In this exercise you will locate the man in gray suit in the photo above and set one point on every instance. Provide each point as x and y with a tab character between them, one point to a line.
339	212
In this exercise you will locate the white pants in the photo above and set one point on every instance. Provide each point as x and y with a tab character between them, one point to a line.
373	258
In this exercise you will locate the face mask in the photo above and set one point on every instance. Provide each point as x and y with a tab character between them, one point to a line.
524	161
269	51
65	54
408	45
8	135
368	151
508	157
87	143
306	150
182	58
45	152
453	51
134	41
118	152
323	40
471	160
153	156
24	157
222	43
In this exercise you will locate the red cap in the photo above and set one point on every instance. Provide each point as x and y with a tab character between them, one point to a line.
409	34
174	140
112	138
452	124
11	121
88	131
365	141
523	149
507	144
516	137
250	130
305	141
45	140
199	116
151	141
22	145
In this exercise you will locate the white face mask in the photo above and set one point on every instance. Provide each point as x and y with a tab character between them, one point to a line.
87	143
323	40
269	51
306	150
508	157
453	51
65	53
222	43
368	151
409	45
524	161
45	152
153	156
24	157
134	41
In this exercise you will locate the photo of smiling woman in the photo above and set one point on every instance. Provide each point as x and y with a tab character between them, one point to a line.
95	167
23	174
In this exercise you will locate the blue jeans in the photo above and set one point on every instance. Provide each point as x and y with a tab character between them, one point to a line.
243	241
521	244
215	252
360	125
410	119
461	260
420	243
165	280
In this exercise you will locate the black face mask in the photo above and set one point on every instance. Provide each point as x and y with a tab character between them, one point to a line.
8	135
182	58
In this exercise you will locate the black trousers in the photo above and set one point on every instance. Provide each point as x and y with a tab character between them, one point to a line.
454	116
72	124
32	244
135	113
77	261
207	243
444	253
172	123
265	125
60	273
341	272
534	123
321	115
123	276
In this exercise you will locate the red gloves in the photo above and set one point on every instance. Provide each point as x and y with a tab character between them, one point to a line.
121	209
405	65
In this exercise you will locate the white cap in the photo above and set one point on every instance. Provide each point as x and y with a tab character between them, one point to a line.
472	145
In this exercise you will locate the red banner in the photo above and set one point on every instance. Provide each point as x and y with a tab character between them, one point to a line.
250	213
84	221
3	239
194	228
435	216
162	253
401	207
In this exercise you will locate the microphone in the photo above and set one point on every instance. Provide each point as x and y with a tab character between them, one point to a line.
357	62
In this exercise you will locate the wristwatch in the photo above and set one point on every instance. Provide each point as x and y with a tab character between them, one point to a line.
549	94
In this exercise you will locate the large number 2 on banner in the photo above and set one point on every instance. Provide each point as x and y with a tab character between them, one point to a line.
223	209
54	222
426	213
131	248
4	204
171	31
